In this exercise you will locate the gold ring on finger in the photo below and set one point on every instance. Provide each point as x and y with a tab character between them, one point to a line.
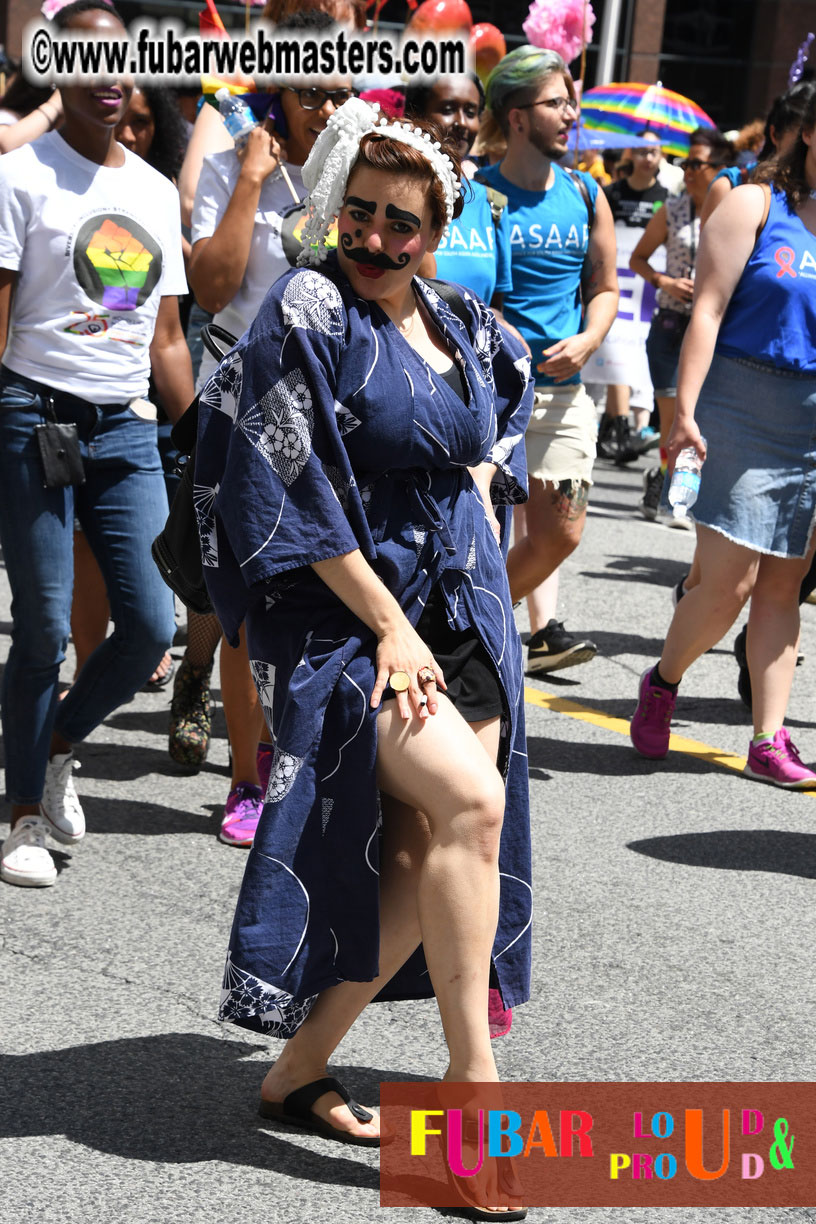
399	681
426	675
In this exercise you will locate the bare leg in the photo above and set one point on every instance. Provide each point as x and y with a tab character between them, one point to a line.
665	408
542	603
692	578
438	872
707	612
243	712
554	520
617	400
773	636
642	417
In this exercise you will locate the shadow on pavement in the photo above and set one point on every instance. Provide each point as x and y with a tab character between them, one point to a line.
178	1098
155	721
612	644
619	760
145	819
774	850
721	711
127	764
657	571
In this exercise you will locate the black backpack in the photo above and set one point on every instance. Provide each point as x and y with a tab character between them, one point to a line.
177	548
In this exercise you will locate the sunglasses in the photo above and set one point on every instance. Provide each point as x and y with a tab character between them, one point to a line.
314	99
696	163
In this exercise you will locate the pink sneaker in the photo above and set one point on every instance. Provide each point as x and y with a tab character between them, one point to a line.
650	729
241	815
499	1017
264	759
777	761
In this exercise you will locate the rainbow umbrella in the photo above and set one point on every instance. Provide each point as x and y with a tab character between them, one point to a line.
631	107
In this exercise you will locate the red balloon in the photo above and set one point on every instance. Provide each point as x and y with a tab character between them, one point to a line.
442	16
488	47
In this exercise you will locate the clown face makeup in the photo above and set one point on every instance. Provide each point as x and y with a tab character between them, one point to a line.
384	230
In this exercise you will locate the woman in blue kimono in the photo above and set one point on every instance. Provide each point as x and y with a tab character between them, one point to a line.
351	448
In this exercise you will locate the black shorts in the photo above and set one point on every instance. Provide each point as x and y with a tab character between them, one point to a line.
473	685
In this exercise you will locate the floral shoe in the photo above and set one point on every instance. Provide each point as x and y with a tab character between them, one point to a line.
190	715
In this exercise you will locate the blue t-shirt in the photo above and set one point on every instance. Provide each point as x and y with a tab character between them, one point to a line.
772	313
549	238
475	252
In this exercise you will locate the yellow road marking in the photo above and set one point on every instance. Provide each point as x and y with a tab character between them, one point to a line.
677	743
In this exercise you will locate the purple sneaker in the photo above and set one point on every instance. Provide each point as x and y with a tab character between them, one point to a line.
241	815
650	729
777	761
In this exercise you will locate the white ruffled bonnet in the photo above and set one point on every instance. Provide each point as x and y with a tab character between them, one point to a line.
335	151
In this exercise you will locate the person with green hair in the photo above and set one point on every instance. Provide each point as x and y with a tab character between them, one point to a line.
563	301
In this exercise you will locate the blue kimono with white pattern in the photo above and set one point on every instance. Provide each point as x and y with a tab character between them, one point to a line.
322	432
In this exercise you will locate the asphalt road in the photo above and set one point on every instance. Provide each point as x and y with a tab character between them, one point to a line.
673	937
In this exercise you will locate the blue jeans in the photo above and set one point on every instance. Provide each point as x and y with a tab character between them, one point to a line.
121	507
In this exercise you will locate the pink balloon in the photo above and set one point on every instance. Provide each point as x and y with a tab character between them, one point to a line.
438	16
488	47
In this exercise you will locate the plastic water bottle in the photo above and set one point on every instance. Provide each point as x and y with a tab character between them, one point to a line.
685	482
237	116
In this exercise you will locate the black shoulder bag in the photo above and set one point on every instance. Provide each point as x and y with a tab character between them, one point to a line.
177	549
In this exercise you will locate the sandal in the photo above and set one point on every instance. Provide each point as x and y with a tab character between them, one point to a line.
463	1188
296	1110
160	679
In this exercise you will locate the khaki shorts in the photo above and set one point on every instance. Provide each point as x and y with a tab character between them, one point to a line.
560	438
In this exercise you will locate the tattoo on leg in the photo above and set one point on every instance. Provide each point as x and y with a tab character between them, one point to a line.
571	498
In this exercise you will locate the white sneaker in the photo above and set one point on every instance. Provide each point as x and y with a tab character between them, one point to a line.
24	858
60	805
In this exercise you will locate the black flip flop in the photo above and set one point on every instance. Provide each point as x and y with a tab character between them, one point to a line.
296	1110
160	682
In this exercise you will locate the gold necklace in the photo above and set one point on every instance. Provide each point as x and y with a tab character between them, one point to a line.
405	330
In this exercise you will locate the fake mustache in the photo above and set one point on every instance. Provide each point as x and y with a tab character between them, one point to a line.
361	256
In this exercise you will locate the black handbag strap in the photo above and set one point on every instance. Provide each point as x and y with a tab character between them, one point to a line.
449	295
217	340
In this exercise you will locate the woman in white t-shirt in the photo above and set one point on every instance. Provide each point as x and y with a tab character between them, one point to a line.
90	270
241	245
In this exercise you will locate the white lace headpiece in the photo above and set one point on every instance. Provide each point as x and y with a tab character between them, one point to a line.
335	151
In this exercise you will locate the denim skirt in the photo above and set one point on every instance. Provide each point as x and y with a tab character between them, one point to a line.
759	480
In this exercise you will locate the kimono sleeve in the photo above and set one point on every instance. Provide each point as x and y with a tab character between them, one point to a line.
507	363
283	496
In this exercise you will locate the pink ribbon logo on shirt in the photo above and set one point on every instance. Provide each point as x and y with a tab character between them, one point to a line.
785	256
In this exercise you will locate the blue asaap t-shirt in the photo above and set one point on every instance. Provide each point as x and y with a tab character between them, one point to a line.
549	239
474	251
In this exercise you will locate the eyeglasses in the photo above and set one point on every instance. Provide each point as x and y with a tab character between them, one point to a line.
697	163
314	99
562	105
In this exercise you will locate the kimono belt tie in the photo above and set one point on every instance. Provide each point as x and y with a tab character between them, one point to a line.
427	507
